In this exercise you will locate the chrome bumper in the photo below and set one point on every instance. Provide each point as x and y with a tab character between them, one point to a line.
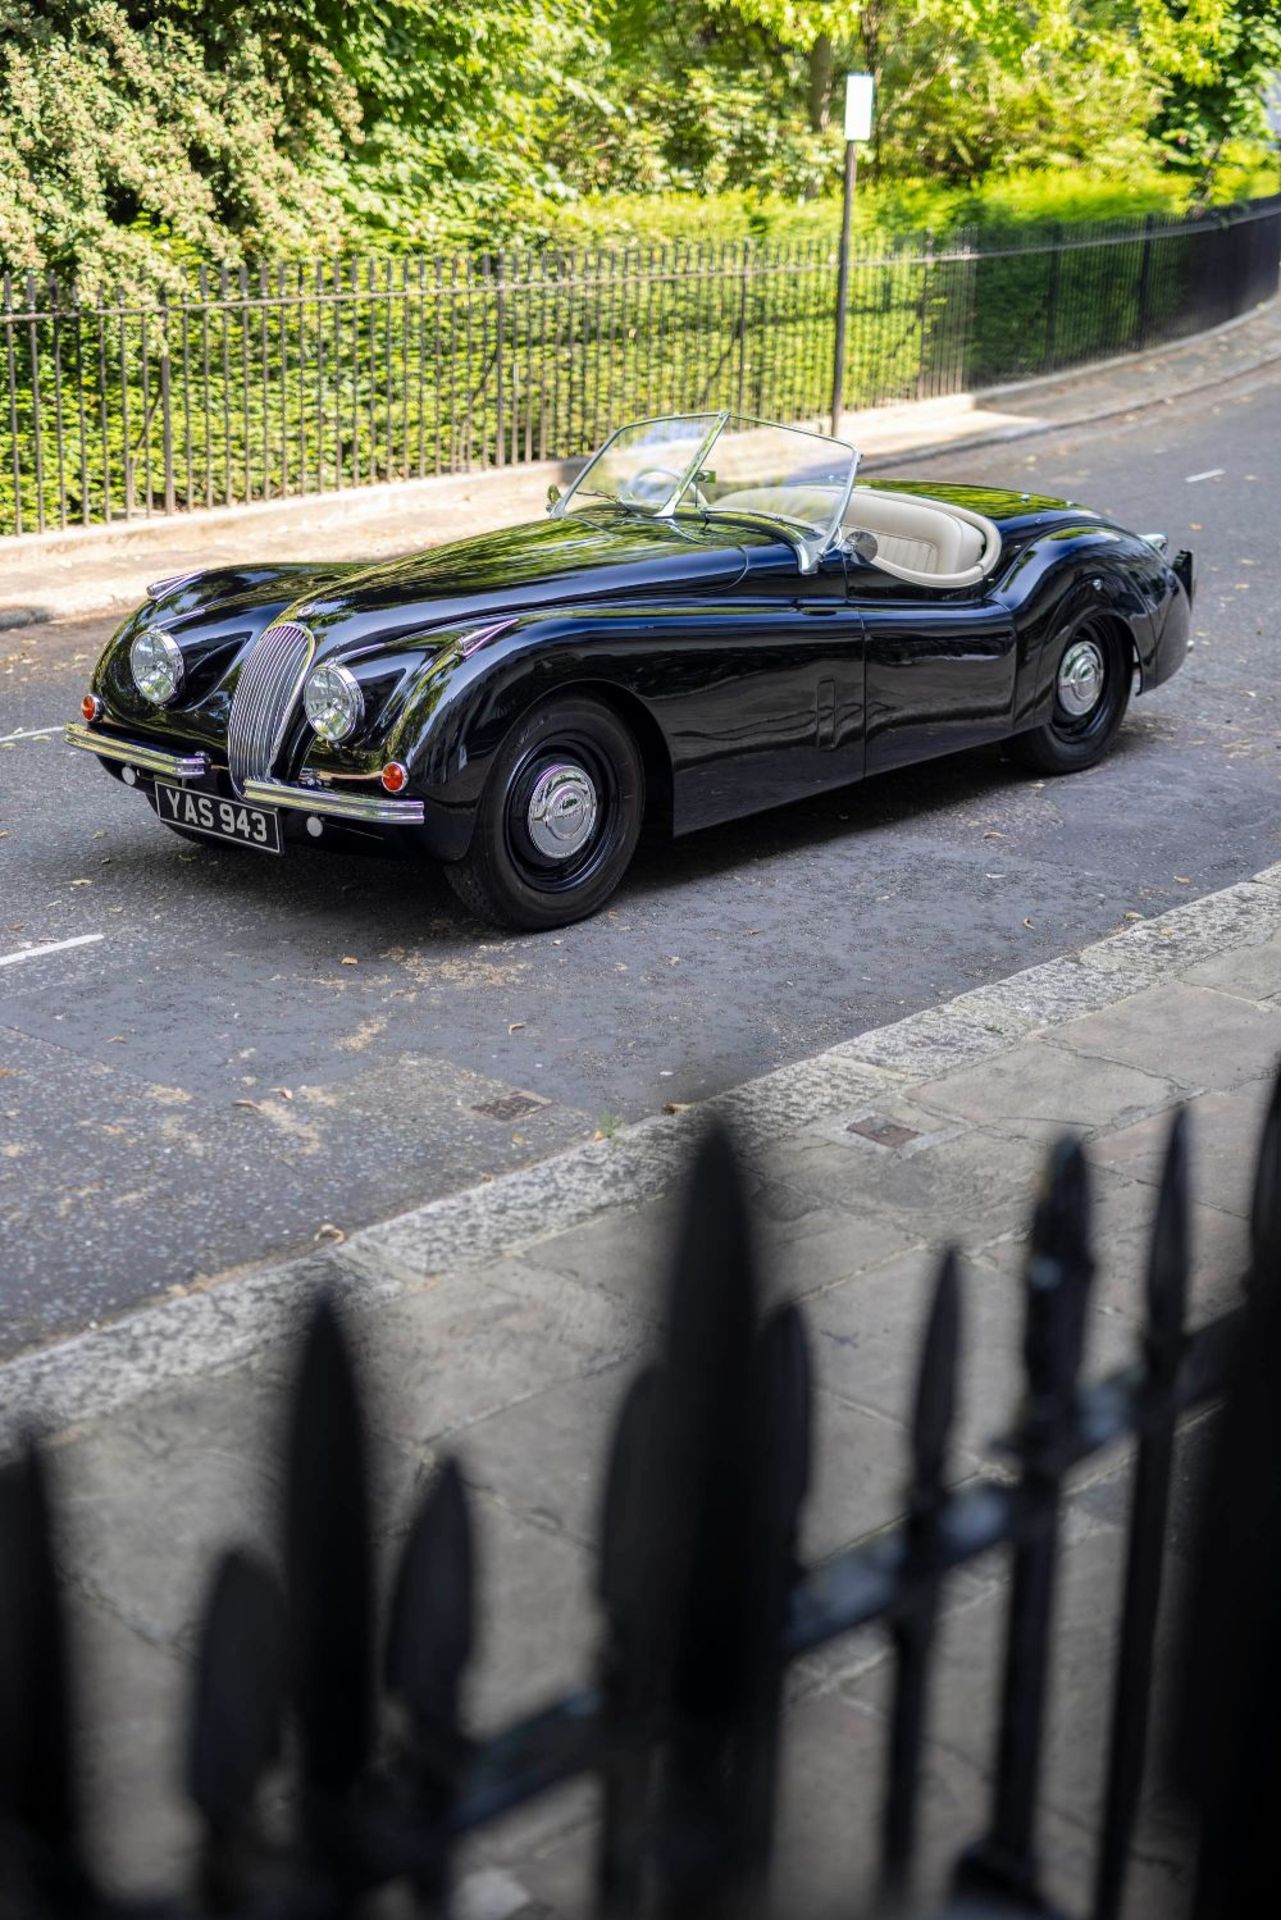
382	809
110	746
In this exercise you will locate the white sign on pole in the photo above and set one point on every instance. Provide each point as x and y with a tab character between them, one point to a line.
858	106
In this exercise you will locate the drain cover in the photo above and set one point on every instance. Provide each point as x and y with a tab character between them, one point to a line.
510	1106
882	1131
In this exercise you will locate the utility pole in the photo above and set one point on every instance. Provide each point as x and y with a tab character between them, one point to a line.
858	126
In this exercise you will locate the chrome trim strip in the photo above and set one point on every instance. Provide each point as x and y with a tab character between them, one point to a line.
339	806
109	746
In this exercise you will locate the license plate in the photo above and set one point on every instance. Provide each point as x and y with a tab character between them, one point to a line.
220	819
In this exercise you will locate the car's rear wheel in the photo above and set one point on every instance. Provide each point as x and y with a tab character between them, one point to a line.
1091	694
559	818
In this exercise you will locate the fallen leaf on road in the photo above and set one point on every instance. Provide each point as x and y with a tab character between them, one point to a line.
117	1040
254	1105
1131	915
284	1092
515	1026
8	1073
676	1106
1030	925
1182	880
82	883
350	960
992	834
330	1232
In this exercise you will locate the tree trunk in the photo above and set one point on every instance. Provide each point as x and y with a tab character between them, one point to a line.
820	82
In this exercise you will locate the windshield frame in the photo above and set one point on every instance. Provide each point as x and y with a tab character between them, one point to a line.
809	542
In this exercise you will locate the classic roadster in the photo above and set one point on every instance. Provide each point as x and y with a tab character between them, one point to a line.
714	618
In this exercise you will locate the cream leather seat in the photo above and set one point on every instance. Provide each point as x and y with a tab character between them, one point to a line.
923	540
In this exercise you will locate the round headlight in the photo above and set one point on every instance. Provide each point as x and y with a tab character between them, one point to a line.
156	661
333	701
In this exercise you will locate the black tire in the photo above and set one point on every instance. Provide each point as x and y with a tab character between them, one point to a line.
507	877
1071	740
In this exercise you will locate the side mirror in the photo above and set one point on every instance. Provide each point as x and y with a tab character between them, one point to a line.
861	544
553	494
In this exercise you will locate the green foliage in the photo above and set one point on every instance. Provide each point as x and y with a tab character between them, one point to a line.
1214	57
122	150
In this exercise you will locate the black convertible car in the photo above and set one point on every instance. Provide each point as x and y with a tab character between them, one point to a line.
713	619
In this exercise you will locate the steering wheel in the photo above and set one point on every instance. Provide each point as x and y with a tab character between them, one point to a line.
649	487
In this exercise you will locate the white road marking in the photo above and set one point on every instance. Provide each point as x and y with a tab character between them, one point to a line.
1211	473
54	946
32	733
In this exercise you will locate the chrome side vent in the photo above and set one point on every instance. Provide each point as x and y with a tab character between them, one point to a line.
270	681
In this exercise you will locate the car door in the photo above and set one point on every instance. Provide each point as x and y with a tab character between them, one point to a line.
940	670
767	702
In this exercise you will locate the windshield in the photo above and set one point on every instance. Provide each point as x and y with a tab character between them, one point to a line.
712	463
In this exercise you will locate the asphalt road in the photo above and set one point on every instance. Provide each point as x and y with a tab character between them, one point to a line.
250	1053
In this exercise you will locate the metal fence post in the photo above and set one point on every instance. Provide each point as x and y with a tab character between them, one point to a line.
166	406
1145	282
500	347
1052	297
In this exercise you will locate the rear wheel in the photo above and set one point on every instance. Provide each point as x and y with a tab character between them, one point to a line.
559	818
1091	694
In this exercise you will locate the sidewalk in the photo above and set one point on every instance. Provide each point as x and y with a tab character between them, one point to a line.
61	576
505	1322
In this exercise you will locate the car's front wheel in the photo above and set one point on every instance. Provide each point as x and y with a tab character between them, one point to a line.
1091	694
558	820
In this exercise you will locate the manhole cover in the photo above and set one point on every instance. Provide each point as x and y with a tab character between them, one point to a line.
511	1106
882	1131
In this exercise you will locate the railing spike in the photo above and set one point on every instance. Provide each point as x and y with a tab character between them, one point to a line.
1168	1256
238	1707
1265	1206
1163	1343
431	1633
328	1561
1057	1280
934	1408
430	1641
37	1786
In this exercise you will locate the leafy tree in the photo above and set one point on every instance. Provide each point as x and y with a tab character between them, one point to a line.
1213	58
124	151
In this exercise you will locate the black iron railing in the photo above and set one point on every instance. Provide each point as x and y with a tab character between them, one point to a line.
703	1604
303	378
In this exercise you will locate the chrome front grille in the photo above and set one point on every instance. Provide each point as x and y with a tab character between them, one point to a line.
269	684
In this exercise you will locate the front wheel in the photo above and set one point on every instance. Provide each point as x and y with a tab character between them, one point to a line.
558	820
1091	694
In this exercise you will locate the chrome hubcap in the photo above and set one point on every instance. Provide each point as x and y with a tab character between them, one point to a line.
562	811
1080	679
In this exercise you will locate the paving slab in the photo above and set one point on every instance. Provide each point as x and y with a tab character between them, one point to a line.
1029	1089
1223	1040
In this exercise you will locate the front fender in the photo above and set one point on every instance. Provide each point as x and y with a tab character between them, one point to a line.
1064	576
460	707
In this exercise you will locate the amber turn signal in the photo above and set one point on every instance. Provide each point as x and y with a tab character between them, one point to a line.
394	776
91	707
